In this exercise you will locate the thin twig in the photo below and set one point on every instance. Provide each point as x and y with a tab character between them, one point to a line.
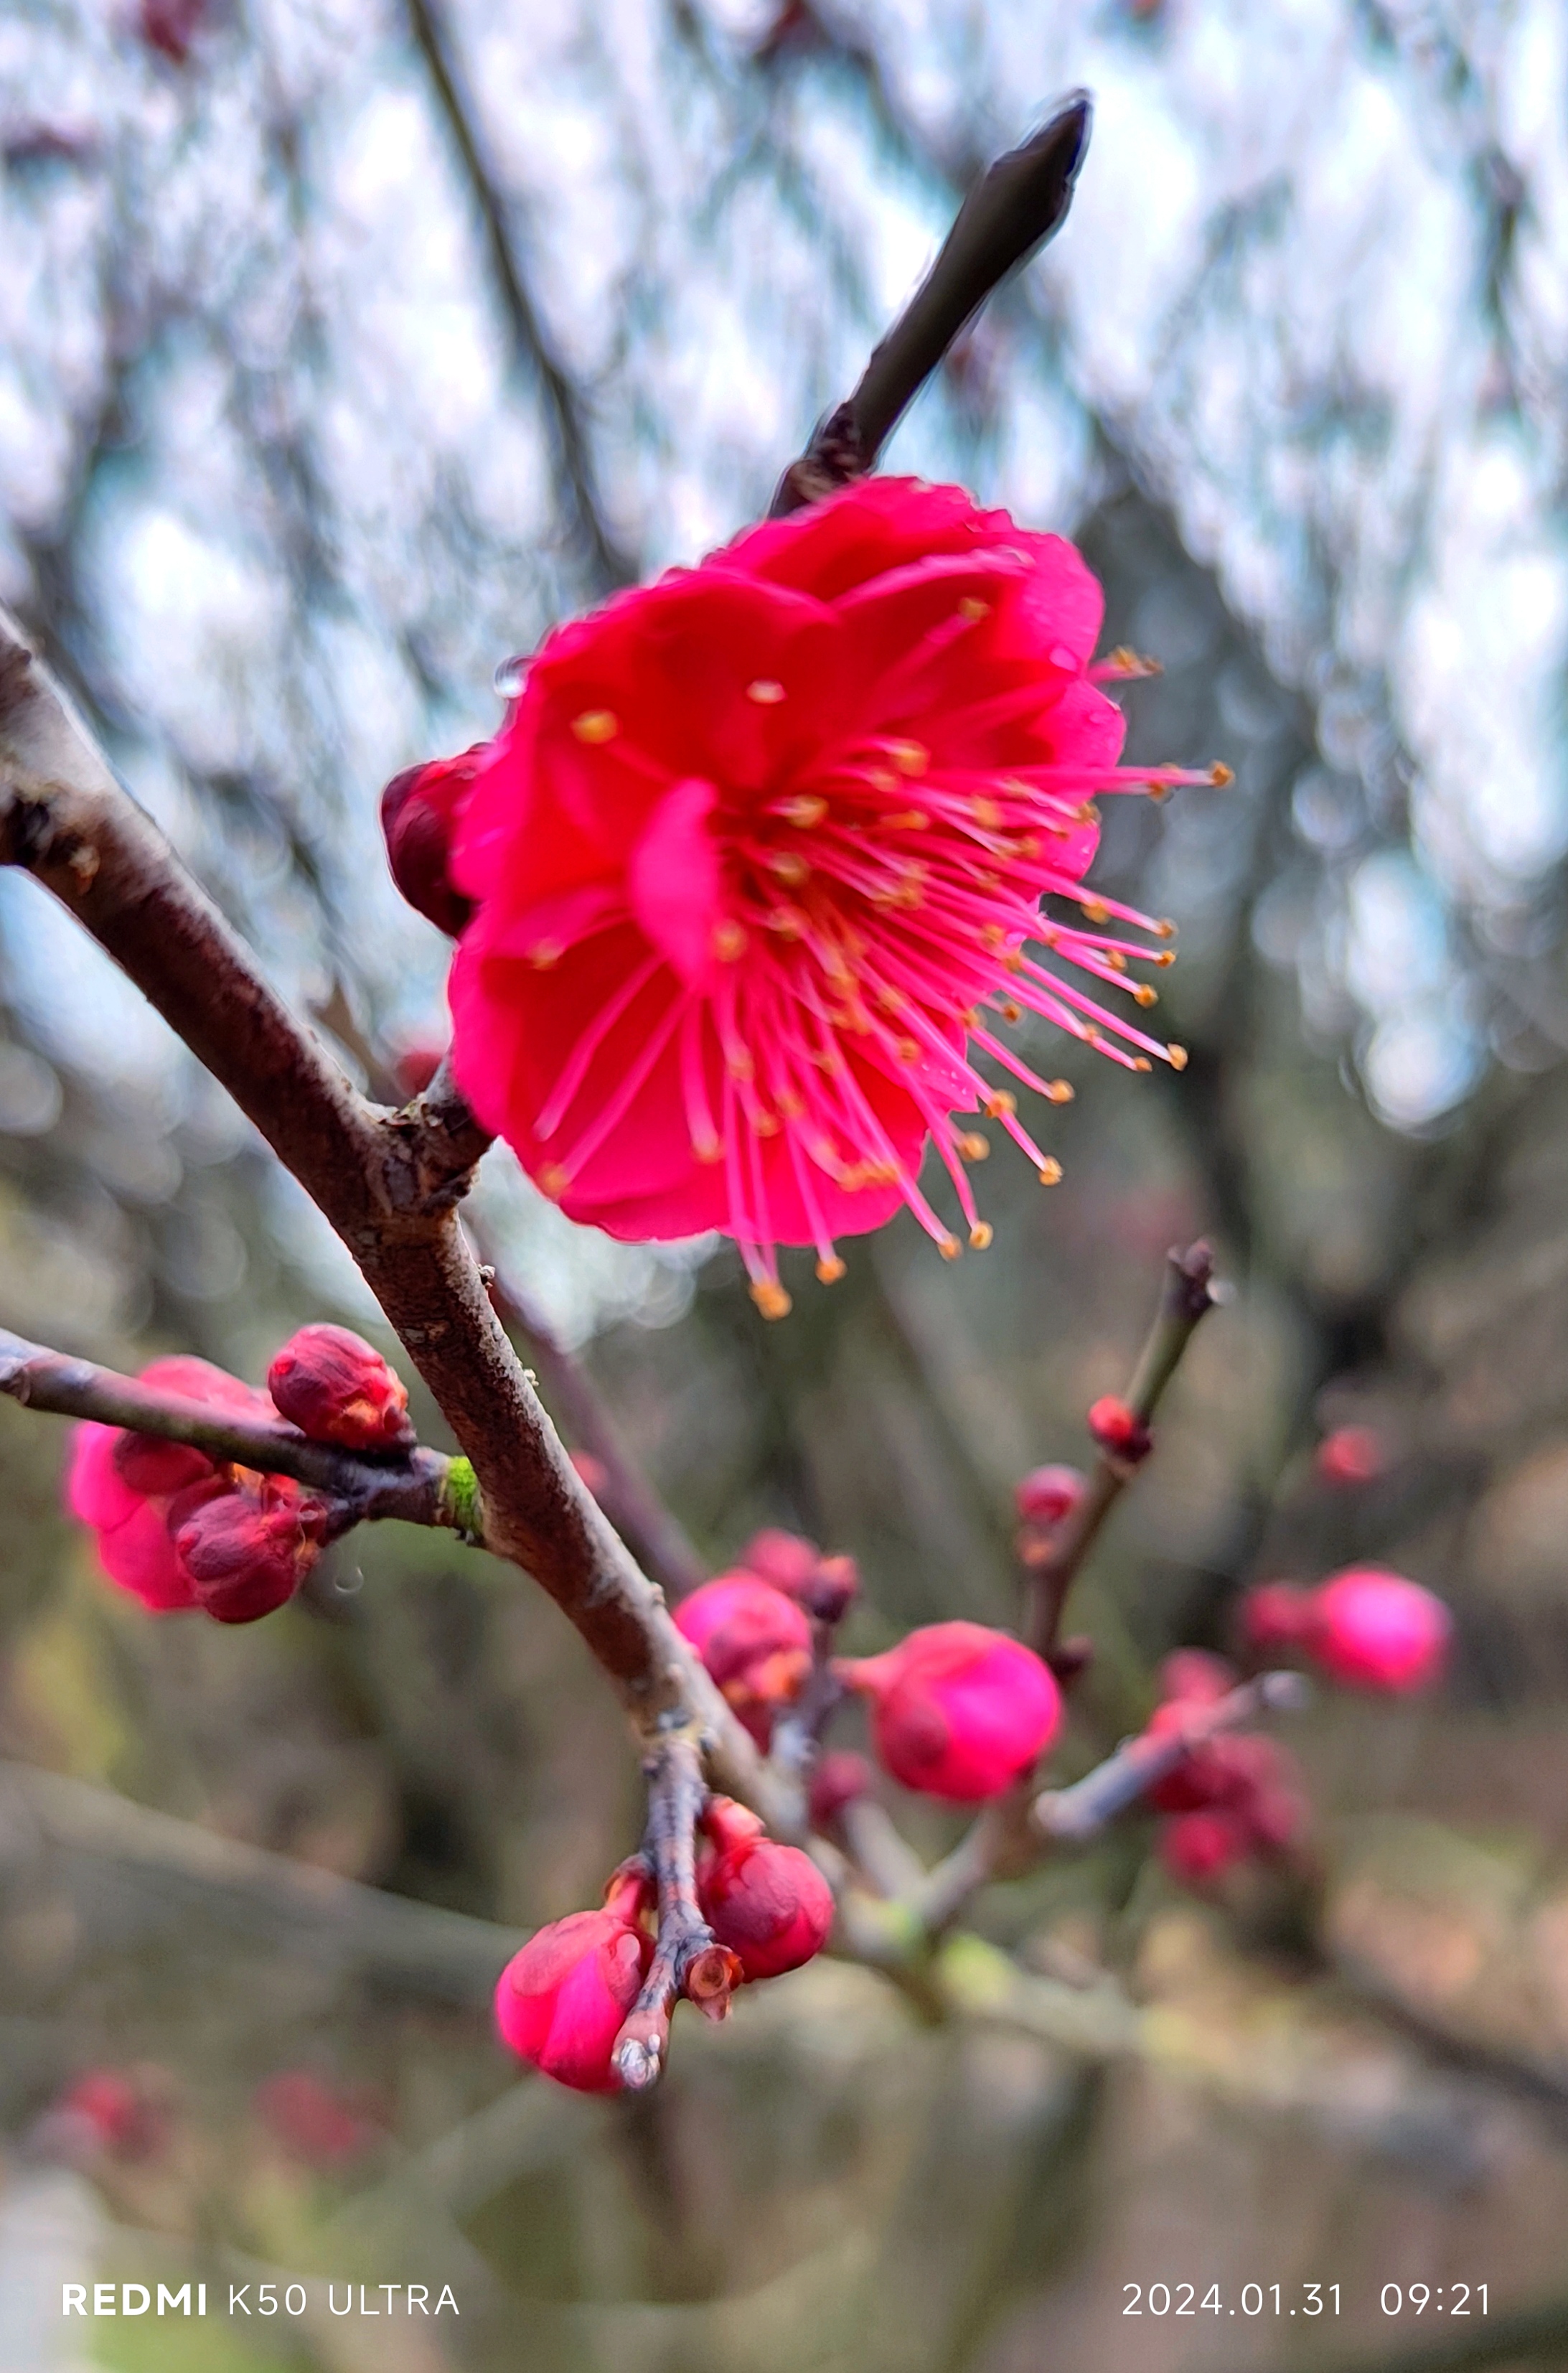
1072	1815
687	1960
1014	207
627	1494
1188	1294
388	1183
611	565
406	1484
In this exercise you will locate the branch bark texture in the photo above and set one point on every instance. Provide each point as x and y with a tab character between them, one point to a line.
389	1183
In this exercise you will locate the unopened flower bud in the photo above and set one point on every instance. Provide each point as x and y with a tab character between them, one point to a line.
1199	1848
755	1643
156	1468
1376	1630
958	1710
1351	1455
107	2112
314	2121
1193	1677
562	2000
419	814
841	1778
1274	1618
1048	1493
770	1904
825	1586
335	1386
1119	1431
247	1549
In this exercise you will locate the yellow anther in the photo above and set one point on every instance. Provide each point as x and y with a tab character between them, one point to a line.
881	780
906	820
949	1247
765	692
792	1106
789	869
1165	929
553	1181
708	1149
909	757
1027	845
1158	792
1051	1172
1010	1013
909	1051
1142	1063
969	1017
1145	996
738	1064
986	814
890	1000
595	725
1163	957
830	1271
1176	1057
1002	1100
980	1235
545	954
973	609
1093	912
729	939
1060	1092
765	1124
770	1298
1115	959
1220	774
788	921
993	934
973	1147
805	811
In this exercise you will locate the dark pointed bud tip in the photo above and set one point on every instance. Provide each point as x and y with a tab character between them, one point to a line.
419	814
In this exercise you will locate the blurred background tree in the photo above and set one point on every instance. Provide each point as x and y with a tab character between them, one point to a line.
341	351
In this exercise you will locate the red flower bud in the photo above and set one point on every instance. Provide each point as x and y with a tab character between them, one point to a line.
825	1586
1199	1848
419	814
312	2119
122	2113
1351	1455
1121	1434
959	1711
1048	1493
841	1778
1228	1770
768	1904
246	1549
112	1477
157	1469
1192	1677
1274	1618
1376	1630
754	1642
562	2000
335	1386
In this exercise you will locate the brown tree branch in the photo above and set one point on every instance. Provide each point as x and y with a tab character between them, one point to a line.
627	1496
687	1958
388	1183
411	1485
1016	206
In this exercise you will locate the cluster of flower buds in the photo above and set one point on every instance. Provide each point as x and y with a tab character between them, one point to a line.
178	1528
1364	1628
1235	1798
419	814
958	1710
758	1628
563	2001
